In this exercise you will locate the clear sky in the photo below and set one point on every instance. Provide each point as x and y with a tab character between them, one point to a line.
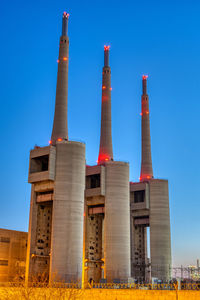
158	38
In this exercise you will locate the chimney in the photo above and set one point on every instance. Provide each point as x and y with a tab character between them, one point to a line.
60	128
146	165
105	150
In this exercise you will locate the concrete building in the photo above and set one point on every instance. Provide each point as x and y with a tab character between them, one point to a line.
57	175
90	223
13	247
107	247
149	207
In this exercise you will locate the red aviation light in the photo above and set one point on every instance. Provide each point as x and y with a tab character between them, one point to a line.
65	15
103	87
58	60
65	58
59	139
145	177
102	158
110	89
106	48
50	142
144	77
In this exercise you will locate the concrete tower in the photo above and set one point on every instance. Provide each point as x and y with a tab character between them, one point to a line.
149	201
146	165
57	174
60	129
105	150
107	249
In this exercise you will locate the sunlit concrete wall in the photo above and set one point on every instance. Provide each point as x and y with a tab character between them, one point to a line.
68	210
160	239
13	246
117	221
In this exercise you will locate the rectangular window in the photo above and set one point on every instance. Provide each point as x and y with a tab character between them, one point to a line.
3	262
93	181
4	239
39	164
139	196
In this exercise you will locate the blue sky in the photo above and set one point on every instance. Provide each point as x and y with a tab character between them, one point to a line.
158	38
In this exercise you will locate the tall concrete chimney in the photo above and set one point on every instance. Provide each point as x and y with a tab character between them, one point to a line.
60	129
105	150
146	165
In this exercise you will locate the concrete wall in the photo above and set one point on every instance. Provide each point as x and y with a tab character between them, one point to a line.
68	210
94	247
13	245
117	221
160	240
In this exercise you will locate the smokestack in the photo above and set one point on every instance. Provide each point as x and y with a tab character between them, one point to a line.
146	165
105	150
60	128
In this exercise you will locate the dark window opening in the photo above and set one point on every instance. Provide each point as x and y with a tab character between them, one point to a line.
39	164
40	241
139	196
93	181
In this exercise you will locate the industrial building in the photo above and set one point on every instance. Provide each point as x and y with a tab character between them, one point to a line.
13	248
89	223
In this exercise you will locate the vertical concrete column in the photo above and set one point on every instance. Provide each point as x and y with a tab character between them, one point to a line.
105	150
146	164
60	126
117	221
160	239
68	211
31	235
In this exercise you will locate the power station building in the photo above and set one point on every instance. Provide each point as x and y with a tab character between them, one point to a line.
89	223
13	248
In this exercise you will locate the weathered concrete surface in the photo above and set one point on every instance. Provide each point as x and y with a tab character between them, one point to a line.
12	254
117	221
68	210
160	238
